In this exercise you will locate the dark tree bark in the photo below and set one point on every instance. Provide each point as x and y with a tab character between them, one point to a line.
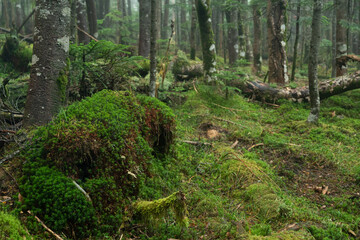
73	20
276	38
207	38
144	27
183	30
82	22
129	8
356	39
313	63
297	35
20	15
333	40
165	22
233	39
193	32
246	28
241	31
257	40
92	18
153	35
51	46
341	41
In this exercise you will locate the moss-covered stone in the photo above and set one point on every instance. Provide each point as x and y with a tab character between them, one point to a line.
105	143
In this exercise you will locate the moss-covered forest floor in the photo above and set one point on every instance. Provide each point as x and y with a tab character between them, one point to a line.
267	174
249	170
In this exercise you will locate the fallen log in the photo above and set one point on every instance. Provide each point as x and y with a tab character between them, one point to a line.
263	92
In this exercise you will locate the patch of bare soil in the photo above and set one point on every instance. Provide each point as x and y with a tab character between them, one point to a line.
311	180
212	132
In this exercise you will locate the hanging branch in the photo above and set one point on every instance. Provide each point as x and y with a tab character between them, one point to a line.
25	21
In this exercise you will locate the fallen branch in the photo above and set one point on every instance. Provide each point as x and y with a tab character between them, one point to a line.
10	156
264	92
82	190
46	227
196	143
228	121
87	34
256	145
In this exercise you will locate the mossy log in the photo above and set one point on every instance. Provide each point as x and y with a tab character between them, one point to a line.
264	92
154	210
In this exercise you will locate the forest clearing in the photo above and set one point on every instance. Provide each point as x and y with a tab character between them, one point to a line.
180	119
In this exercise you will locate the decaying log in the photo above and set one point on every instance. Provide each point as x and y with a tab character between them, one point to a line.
263	92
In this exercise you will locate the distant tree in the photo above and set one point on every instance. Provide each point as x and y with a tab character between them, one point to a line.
153	35
297	35
165	22
257	37
92	18
51	46
82	22
341	40
144	27
231	14
276	23
207	38
193	31
313	63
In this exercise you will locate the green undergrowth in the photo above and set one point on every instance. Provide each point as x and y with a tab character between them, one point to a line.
263	188
104	144
11	227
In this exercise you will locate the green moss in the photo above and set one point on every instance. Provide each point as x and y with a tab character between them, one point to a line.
11	228
106	144
286	235
264	200
154	210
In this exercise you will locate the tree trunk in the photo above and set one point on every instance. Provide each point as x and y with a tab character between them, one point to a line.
233	43
356	40
73	20
129	8
165	22
153	35
333	41
276	37
82	22
207	38
183	30
193	32
297	35
341	42
92	18
51	46
241	31
19	13
313	63
246	29
257	40
144	25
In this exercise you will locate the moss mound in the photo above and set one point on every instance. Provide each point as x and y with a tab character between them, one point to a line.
19	54
105	144
11	228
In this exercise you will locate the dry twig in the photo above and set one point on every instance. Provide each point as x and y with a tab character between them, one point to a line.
46	227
